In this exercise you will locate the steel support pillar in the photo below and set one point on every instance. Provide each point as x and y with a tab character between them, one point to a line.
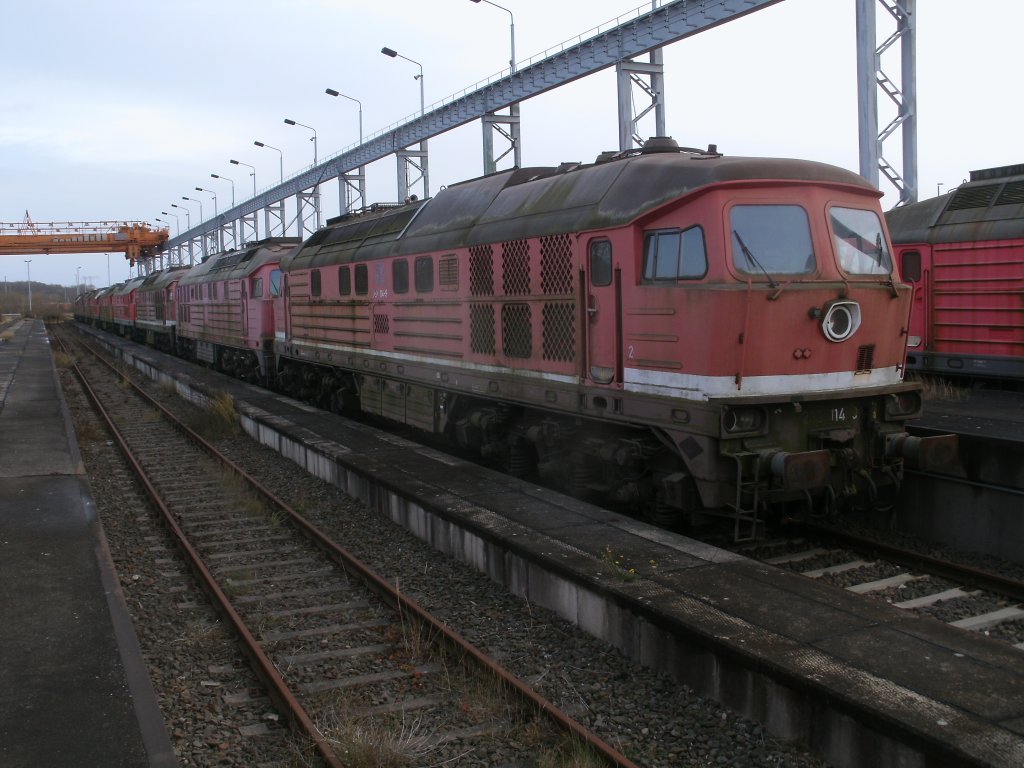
415	159
352	191
307	217
649	79
228	233
211	242
507	127
249	228
871	79
274	217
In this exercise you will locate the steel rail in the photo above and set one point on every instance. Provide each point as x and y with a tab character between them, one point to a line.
401	602
986	580
264	666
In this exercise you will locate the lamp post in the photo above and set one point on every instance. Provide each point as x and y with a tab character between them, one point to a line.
78	280
344	182
393	54
267	146
202	216
332	92
403	180
28	263
253	174
512	30
229	181
289	121
188	218
210	192
177	221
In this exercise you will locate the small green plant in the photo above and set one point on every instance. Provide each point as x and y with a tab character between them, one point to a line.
616	564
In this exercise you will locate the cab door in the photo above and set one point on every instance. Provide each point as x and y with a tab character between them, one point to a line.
603	326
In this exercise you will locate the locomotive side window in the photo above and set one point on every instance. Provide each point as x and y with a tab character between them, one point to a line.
423	269
600	262
362	280
257	287
672	254
314	283
275	283
910	266
771	239
400	276
859	242
344	281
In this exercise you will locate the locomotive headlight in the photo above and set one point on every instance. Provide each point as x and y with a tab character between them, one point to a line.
842	319
901	405
736	420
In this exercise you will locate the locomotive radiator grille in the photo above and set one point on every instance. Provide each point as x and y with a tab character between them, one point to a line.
481	328
559	331
481	270
516	331
515	268
556	273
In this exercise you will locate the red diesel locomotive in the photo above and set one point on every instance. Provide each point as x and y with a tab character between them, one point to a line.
963	252
673	330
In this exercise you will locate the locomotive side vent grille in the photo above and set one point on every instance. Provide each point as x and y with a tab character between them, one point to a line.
481	328
1012	194
481	270
448	274
865	358
556	272
559	331
973	197
516	331
381	324
515	268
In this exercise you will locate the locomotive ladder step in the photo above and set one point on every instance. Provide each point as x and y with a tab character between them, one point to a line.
746	515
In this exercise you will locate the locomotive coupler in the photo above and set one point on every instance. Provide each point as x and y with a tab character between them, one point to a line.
928	454
800	471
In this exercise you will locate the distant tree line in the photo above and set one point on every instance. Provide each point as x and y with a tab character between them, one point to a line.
47	300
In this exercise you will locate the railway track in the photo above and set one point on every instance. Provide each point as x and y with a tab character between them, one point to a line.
960	595
342	653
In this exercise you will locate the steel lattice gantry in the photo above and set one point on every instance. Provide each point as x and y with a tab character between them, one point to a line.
871	79
642	34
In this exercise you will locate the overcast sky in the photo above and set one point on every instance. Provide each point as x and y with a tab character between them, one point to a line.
114	110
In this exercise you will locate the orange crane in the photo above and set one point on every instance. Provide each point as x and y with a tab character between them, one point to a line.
135	239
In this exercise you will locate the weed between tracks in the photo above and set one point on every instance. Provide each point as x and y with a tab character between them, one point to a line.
218	419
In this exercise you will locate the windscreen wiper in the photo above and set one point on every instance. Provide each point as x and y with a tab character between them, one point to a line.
752	260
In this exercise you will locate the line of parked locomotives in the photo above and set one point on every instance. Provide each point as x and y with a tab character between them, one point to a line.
673	330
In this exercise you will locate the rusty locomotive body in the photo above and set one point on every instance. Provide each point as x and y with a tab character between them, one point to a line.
672	330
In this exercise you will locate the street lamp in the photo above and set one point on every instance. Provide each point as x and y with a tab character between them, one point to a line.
267	146
253	174
388	52
28	262
177	221
202	216
332	92
78	280
211	192
188	218
512	29
313	138
229	181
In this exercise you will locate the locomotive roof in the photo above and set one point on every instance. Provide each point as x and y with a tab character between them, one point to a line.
988	207
531	202
122	289
234	264
161	279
